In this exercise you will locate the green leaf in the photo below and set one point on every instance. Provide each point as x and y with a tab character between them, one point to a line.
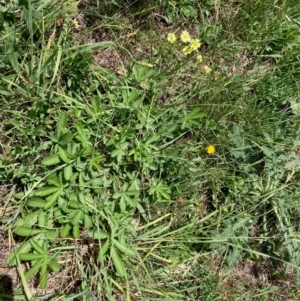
123	203
98	234
19	195
44	275
26	231
54	266
37	247
51	234
54	180
61	123
52	199
194	116
30	256
87	221
47	190
4	91
76	231
77	217
42	219
132	202
68	171
36	202
103	250
118	263
96	105
65	231
34	269
51	160
24	248
124	249
65	139
63	154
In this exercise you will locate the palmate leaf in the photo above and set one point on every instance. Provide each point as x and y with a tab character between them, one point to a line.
193	117
161	190
34	269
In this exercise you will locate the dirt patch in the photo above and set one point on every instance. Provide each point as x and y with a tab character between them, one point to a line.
249	279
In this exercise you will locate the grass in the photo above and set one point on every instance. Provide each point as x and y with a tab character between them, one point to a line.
131	170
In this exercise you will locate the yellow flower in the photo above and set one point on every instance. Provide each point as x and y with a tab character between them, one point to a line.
200	58
210	149
195	44
171	38
207	69
185	37
216	78
74	23
187	50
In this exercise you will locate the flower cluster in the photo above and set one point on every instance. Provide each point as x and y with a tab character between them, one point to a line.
193	45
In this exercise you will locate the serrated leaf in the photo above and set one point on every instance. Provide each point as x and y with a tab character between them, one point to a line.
63	154
65	139
26	231
77	217
87	221
44	191
29	220
42	219
54	180
36	202
61	123
51	234
51	160
118	263
68	171
96	105
52	199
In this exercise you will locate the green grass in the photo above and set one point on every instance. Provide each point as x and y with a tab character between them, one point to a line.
107	165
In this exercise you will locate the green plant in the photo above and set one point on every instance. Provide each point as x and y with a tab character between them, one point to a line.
183	156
